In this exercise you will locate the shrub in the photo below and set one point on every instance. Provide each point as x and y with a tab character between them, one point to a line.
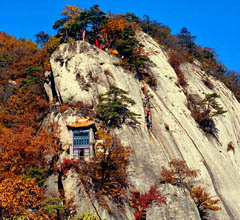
68	164
85	110
179	174
32	70
152	82
175	60
140	203
230	146
39	174
203	201
63	107
208	83
110	167
55	205
203	111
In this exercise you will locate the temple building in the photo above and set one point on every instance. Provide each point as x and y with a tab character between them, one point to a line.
83	132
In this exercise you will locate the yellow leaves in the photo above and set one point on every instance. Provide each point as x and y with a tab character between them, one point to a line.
115	25
13	47
71	12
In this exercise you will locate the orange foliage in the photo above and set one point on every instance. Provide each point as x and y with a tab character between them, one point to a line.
23	105
187	56
24	101
51	45
111	166
19	196
16	56
203	201
71	12
106	174
110	31
21	150
178	174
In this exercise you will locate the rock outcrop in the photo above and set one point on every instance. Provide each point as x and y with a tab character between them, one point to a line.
81	72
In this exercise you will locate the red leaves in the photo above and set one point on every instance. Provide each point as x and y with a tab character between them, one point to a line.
142	202
68	164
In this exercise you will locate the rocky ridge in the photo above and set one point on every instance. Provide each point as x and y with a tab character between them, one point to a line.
81	72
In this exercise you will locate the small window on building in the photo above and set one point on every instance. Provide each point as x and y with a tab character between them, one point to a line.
80	138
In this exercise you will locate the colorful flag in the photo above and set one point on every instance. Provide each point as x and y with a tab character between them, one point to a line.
97	43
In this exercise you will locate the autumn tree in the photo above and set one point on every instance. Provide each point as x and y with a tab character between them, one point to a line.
23	161
203	111
114	27
75	21
113	107
111	166
106	175
204	202
24	142
70	14
140	203
19	196
179	174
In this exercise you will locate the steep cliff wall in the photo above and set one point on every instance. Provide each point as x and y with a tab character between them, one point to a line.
81	72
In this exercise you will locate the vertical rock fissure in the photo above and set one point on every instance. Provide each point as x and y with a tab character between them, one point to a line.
53	87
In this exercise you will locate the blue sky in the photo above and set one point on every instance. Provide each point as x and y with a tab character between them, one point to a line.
216	23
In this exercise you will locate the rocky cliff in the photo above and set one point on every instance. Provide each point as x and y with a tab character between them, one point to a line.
81	72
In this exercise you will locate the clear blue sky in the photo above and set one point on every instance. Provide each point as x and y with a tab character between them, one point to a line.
216	23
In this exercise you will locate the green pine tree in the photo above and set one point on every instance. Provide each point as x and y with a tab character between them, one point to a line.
113	107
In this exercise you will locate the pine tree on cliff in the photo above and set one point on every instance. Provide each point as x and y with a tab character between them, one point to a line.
113	107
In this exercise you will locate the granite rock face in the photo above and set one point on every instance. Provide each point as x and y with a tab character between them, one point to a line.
81	72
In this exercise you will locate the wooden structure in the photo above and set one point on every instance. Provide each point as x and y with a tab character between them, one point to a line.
83	139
